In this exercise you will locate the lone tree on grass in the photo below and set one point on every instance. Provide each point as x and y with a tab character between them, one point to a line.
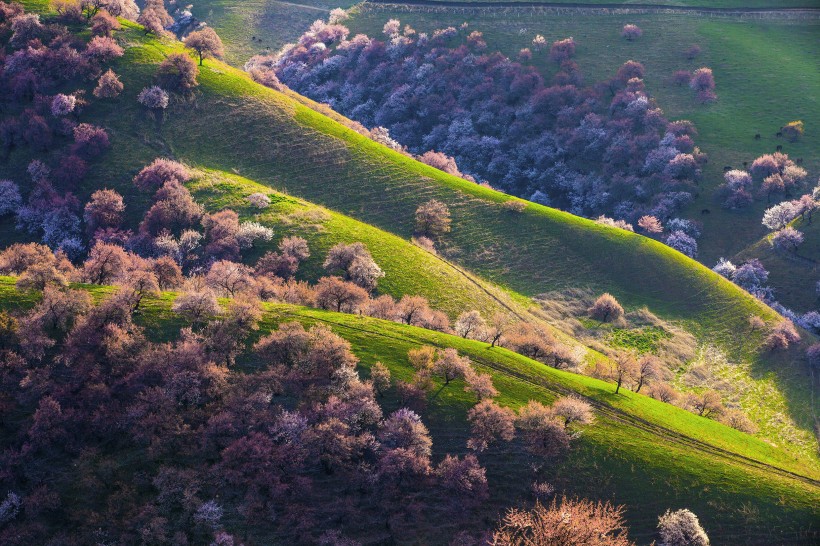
681	528
631	32
562	523
109	86
207	44
178	72
793	130
433	219
606	308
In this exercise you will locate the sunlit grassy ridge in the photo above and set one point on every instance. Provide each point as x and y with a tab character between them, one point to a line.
640	452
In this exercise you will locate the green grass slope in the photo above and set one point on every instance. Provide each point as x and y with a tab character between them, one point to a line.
639	452
233	124
408	268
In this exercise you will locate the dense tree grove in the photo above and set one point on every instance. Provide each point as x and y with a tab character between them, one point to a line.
598	149
222	432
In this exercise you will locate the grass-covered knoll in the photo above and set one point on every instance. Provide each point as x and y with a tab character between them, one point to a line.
233	124
639	452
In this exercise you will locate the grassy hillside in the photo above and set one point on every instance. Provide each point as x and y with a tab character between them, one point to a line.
640	452
232	124
408	268
751	60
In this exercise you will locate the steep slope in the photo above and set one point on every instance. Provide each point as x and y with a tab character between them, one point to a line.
640	452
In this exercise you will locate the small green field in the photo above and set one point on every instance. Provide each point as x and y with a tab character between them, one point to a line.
640	452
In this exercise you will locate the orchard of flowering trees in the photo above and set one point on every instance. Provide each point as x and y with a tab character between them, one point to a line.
599	149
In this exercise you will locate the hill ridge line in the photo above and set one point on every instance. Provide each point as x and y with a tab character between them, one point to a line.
601	9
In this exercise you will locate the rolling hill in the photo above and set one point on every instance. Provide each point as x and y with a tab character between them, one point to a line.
640	452
330	184
751	57
282	142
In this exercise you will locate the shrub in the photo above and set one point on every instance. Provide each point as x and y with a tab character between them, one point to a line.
102	49
543	436
631	32
793	130
90	140
565	522
681	528
10	199
104	210
153	97
683	243
606	308
154	17
178	72
692	52
109	86
196	305
62	105
489	422
160	171
259	200
681	77
207	44
650	224
464	476
433	219
103	23
787	238
561	50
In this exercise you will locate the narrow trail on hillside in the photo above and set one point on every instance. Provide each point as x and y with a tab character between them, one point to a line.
607	411
772	12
